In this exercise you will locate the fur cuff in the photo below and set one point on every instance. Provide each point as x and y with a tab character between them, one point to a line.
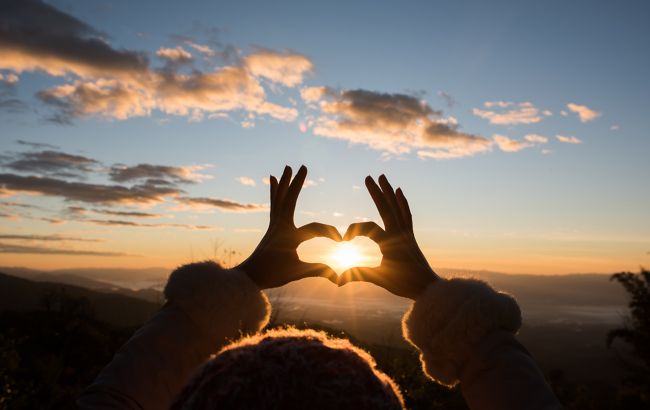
224	303
449	319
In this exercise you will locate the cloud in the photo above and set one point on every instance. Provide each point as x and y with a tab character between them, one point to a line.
77	210
51	163
120	84
585	113
312	94
223	204
509	113
449	100
536	139
42	250
157	174
201	48
36	145
117	222
393	123
568	140
87	192
175	55
192	95
56	238
37	36
286	68
18	205
109	98
614	127
509	145
246	181
9	79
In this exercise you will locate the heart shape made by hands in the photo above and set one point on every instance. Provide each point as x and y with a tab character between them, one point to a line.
341	256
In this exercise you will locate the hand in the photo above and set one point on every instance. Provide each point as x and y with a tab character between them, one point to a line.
404	270
275	261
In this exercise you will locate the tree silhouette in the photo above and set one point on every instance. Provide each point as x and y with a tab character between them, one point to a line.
636	333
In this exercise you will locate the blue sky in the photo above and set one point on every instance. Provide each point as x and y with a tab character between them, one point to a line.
502	203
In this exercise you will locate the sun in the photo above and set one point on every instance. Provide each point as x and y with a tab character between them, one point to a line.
345	256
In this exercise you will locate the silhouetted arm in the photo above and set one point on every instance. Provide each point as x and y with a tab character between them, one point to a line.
207	307
465	332
463	328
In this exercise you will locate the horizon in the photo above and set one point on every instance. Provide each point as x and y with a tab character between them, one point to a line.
136	142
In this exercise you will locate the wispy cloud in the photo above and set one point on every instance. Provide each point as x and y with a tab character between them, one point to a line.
132	224
585	113
51	163
568	139
87	192
223	204
536	139
246	181
510	113
43	250
175	55
77	210
449	100
48	238
509	145
158	174
37	145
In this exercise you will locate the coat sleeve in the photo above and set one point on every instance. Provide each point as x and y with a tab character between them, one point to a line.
207	307
465	332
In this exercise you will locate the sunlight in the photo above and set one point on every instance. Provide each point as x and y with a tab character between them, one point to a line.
341	256
345	256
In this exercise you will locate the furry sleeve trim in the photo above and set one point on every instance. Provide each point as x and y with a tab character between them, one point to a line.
223	303
448	320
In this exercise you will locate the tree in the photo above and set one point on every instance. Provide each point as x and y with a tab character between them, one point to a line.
636	333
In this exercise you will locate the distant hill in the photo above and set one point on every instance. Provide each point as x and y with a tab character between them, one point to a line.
123	277
560	298
85	280
18	294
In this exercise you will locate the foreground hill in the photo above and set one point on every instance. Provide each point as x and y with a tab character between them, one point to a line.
22	295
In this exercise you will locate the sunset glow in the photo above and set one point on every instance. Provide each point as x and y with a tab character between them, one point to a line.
157	148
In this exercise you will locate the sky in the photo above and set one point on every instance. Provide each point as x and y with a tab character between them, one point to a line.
142	134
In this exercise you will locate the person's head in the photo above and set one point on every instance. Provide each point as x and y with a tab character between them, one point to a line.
290	368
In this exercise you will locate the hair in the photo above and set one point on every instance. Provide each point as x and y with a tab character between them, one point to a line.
289	368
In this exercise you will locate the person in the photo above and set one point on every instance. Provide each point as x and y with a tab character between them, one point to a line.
464	330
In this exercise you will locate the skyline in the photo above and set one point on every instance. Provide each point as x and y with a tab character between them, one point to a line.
517	131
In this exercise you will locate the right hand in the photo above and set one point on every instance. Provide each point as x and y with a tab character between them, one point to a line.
404	271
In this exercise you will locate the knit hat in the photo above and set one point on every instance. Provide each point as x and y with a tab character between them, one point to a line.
290	369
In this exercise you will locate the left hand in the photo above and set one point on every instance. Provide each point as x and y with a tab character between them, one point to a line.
275	261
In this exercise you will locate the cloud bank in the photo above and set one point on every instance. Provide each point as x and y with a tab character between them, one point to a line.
393	123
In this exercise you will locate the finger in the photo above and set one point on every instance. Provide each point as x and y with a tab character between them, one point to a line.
380	202
293	191
273	182
315	229
368	229
389	194
361	274
283	185
315	270
404	208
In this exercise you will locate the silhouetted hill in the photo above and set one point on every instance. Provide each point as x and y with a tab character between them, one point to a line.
83	280
21	295
122	277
